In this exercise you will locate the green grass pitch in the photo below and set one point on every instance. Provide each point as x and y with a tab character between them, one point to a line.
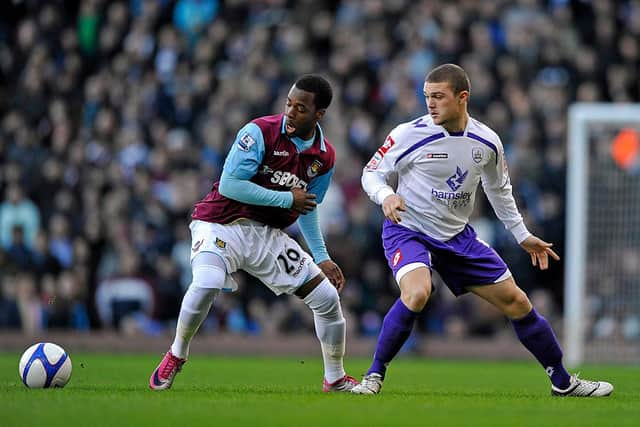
112	390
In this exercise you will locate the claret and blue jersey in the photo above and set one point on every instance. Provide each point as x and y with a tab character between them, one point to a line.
263	154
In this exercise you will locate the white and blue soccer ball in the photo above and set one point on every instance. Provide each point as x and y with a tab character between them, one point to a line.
45	365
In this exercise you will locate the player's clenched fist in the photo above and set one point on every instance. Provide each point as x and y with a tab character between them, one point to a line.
303	202
392	206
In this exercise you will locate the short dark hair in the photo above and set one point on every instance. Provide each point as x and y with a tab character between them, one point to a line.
452	74
320	88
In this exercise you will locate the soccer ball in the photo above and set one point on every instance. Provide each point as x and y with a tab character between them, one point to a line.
45	365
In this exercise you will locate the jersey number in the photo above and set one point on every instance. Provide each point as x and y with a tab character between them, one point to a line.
293	255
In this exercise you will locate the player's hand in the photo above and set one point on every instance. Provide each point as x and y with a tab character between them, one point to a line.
333	273
392	205
303	202
539	251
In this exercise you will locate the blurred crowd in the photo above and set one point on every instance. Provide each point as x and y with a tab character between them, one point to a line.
115	117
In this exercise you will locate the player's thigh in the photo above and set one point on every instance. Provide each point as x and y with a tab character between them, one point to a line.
506	296
220	239
287	266
469	262
405	252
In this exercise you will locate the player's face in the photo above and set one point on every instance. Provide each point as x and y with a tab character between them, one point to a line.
444	107
301	113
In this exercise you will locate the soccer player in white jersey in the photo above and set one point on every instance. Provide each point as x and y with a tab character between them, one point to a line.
439	159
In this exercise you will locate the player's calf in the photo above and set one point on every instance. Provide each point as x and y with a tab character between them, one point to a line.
163	376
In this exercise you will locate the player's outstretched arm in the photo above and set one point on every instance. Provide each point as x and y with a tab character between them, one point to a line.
333	273
539	251
303	202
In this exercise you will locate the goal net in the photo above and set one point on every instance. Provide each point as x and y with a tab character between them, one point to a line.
602	274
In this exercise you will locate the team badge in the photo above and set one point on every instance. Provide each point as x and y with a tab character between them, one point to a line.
314	168
476	154
221	243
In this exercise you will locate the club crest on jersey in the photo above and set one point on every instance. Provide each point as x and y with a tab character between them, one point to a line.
221	243
245	142
455	181
476	154
314	168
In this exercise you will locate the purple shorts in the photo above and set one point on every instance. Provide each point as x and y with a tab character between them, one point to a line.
462	261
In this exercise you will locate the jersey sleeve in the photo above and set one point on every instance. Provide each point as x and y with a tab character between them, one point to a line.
497	187
246	153
310	224
242	164
384	162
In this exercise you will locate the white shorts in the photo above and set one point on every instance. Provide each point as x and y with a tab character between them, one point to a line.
266	253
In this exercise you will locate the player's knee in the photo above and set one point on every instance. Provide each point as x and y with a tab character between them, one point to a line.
416	297
518	305
324	301
208	277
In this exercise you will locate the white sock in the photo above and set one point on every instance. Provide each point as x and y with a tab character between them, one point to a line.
208	278
195	306
330	328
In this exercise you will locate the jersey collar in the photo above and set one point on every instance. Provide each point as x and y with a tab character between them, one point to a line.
318	128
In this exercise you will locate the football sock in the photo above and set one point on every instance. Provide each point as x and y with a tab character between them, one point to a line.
396	328
207	279
536	335
330	328
195	307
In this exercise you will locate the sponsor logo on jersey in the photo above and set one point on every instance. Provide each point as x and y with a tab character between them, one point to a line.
397	257
221	243
476	154
197	245
288	179
437	156
314	168
266	170
283	153
245	142
452	200
455	181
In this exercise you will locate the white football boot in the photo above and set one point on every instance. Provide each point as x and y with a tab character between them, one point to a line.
583	388
371	384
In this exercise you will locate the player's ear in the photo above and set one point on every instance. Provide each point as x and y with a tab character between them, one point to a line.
320	113
464	96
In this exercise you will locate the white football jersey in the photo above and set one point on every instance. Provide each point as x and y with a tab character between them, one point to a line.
438	173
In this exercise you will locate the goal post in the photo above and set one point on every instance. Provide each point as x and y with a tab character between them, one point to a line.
582	233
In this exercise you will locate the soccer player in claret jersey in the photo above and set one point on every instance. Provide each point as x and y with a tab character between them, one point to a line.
276	173
439	159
